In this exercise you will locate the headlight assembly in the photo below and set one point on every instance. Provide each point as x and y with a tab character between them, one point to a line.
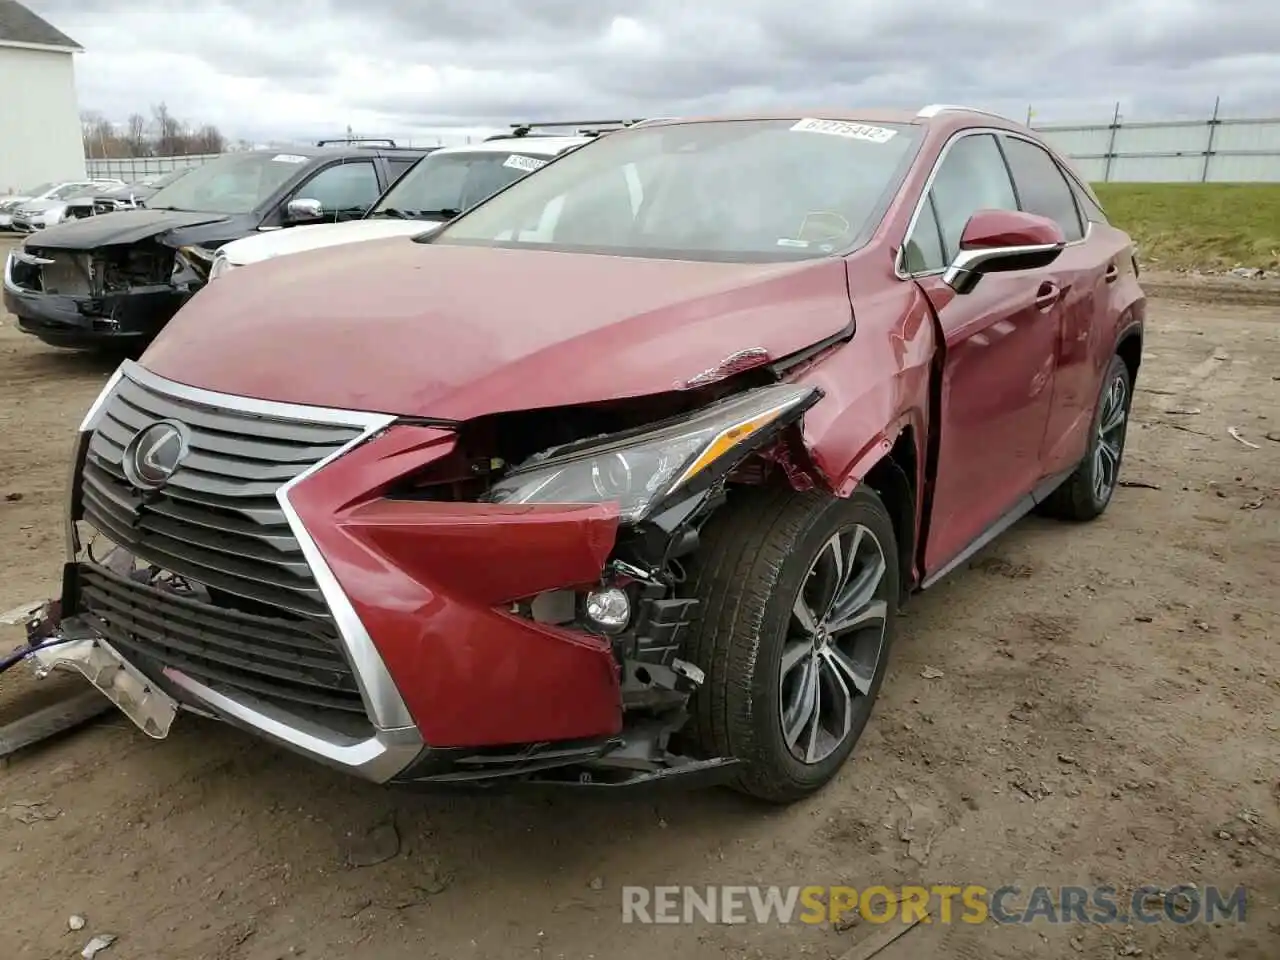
642	468
221	266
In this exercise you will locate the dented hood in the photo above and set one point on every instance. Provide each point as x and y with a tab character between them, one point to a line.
122	226
454	332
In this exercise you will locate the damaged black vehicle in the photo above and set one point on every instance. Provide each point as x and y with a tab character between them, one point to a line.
111	282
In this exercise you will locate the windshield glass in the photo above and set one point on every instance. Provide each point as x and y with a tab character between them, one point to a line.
156	183
233	183
69	190
744	190
38	190
443	184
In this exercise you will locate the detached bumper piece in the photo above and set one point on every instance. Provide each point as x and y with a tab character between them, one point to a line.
78	646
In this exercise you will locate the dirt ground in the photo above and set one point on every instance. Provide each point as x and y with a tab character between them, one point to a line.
1101	707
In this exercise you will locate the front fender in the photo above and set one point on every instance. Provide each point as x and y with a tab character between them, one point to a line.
875	386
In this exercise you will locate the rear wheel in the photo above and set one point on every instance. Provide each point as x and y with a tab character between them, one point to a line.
799	594
1085	494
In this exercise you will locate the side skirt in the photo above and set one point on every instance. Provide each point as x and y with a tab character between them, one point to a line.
1019	510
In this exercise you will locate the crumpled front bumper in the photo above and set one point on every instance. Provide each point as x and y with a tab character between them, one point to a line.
121	319
452	682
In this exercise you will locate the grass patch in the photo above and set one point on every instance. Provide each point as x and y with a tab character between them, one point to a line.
1205	226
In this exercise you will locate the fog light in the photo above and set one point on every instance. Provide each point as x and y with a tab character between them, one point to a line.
609	608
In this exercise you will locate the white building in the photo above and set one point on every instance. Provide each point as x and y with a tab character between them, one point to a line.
39	118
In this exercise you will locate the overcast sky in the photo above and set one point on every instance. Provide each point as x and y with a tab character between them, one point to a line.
263	69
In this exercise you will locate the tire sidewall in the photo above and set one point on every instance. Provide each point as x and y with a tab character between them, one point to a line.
862	507
1116	368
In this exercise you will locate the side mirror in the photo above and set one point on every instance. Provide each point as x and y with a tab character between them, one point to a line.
304	209
1001	241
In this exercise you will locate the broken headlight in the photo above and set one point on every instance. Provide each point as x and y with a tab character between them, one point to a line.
641	468
221	266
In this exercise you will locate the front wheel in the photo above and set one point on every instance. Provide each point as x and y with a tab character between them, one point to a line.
799	594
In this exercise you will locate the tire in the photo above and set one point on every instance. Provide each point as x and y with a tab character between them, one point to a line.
756	554
1085	494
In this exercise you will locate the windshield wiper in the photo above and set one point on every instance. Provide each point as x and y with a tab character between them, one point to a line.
447	212
390	212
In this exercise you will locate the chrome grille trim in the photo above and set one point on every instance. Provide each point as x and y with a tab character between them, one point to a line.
217	520
397	738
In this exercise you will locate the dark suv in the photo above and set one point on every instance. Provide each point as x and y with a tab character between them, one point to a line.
113	281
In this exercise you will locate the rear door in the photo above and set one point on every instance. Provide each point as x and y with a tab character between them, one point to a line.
1001	343
1081	275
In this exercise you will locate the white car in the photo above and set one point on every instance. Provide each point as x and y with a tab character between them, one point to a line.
43	205
433	191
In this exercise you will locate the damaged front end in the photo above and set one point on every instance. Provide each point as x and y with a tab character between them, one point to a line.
660	466
410	601
118	295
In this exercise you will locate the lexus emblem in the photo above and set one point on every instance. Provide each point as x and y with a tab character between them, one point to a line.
154	454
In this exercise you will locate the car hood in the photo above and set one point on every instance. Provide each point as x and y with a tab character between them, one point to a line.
275	243
122	226
40	206
455	332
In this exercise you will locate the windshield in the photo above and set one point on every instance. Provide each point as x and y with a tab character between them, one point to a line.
744	190
40	190
441	185
69	190
233	183
157	183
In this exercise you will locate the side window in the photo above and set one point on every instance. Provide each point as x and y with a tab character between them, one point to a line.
396	166
1042	189
1087	205
924	251
972	177
345	190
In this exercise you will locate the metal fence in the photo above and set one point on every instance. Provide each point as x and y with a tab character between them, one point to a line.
1214	150
132	169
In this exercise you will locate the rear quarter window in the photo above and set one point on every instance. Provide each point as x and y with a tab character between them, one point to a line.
1042	187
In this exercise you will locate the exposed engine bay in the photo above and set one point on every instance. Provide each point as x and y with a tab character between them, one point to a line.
104	271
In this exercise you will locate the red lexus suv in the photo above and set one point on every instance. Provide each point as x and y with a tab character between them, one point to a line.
621	477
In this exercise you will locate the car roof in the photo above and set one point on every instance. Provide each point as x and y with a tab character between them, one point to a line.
535	146
324	153
941	114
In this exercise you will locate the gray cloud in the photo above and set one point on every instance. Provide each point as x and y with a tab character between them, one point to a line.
310	67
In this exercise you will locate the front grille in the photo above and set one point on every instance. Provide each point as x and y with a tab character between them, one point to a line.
294	664
216	520
237	607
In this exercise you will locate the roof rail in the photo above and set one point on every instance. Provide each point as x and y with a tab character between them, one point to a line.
585	128
933	109
383	141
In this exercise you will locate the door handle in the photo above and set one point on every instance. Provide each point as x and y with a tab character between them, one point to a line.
1112	274
1048	295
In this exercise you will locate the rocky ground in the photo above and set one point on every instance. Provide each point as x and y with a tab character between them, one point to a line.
1089	705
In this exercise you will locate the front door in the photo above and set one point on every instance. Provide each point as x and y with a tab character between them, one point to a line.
1001	344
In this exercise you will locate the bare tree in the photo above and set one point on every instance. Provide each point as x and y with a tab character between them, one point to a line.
139	145
208	139
169	136
169	132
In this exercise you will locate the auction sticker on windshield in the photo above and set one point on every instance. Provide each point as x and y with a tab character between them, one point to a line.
517	162
288	158
839	128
